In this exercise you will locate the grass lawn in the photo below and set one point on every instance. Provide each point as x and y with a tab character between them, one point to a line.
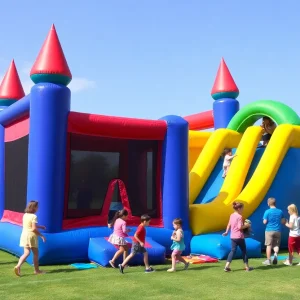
207	281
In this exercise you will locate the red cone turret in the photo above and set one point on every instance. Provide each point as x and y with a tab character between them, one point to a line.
11	88
224	85
51	64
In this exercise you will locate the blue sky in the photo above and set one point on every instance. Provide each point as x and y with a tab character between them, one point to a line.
152	58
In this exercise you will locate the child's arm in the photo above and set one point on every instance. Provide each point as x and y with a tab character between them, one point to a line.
227	229
35	230
245	226
230	157
41	227
265	218
125	229
137	238
177	237
289	224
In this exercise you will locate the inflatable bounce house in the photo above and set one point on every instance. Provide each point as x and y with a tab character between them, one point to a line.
82	168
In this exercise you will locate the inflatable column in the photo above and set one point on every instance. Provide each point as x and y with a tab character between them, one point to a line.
49	108
175	193
11	90
224	92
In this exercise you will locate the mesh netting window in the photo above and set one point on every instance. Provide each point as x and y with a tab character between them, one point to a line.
91	173
95	161
16	164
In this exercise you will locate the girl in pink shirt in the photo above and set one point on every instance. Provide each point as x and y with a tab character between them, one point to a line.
118	236
237	226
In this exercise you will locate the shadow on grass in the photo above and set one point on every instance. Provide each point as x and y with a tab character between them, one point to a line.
65	270
194	268
261	268
268	268
8	263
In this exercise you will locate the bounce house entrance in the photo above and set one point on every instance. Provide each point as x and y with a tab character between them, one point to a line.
107	174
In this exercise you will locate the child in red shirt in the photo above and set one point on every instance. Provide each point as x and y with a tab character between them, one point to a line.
138	245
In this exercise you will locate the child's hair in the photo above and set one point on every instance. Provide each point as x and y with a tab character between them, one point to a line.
177	221
31	207
145	218
226	151
269	119
293	209
272	201
119	214
237	205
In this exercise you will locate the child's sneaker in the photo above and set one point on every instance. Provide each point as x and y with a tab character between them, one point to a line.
121	268
112	264
186	266
226	269
266	262
287	263
149	270
249	269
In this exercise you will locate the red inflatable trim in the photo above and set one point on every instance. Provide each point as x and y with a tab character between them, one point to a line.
17	130
201	121
12	217
101	220
147	245
116	127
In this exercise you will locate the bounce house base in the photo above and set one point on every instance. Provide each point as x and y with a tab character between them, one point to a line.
101	252
218	246
72	246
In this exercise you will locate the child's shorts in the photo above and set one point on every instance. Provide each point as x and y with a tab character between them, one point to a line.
176	252
137	248
294	244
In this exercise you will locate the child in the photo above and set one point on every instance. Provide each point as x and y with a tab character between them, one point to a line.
237	226
178	245
273	219
29	238
247	231
227	161
294	236
118	236
268	128
138	245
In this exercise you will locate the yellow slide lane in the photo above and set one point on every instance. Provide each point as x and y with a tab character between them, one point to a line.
197	141
220	139
214	216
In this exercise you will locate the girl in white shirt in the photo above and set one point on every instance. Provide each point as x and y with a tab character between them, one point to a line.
227	161
294	236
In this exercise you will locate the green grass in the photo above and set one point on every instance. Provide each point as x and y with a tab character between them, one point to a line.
207	281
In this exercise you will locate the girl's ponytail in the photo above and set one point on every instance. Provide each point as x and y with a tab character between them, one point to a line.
119	214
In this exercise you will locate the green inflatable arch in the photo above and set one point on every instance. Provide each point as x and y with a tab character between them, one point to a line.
277	111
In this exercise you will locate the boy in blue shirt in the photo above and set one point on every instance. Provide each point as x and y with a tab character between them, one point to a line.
273	218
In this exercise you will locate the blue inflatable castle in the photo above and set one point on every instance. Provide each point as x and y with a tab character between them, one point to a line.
82	168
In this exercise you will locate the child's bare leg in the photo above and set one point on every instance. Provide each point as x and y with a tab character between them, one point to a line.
174	257
117	254
269	252
291	256
146	260
35	252
125	253
22	259
180	258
